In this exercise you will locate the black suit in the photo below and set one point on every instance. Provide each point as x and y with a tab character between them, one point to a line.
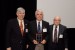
62	42
33	31
14	38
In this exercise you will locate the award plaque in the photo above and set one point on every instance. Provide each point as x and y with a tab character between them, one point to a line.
39	37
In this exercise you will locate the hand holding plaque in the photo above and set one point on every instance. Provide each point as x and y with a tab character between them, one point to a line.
35	42
43	41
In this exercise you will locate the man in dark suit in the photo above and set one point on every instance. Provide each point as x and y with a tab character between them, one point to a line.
16	32
58	35
38	26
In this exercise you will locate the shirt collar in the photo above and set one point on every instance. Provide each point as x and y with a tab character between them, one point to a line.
19	20
55	25
39	21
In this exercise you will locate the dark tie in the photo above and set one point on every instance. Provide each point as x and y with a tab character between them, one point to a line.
55	35
39	29
39	38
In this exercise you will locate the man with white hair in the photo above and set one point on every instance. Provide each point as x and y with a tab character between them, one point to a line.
58	36
16	31
38	33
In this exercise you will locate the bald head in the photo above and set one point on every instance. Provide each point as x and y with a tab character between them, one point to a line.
57	20
39	14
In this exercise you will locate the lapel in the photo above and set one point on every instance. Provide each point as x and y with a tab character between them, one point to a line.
25	25
51	29
17	27
43	24
60	29
35	25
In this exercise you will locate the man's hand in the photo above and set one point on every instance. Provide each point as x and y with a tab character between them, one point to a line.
66	48
8	48
43	42
35	42
27	46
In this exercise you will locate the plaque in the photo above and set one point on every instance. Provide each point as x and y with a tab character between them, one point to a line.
39	37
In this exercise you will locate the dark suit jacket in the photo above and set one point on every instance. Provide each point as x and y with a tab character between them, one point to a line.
14	38
62	42
33	31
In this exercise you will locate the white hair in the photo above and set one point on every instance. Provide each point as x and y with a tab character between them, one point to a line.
20	9
38	10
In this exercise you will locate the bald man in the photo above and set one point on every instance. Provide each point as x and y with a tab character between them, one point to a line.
58	35
16	32
39	30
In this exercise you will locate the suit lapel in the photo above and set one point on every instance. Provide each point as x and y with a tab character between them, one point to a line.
35	25
51	29
51	32
24	25
17	27
60	29
43	25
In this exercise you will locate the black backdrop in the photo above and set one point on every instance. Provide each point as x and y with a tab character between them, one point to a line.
8	11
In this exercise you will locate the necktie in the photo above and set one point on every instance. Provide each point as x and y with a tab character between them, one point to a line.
39	38
39	30
55	35
21	28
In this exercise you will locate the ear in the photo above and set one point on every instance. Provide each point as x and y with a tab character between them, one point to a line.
16	13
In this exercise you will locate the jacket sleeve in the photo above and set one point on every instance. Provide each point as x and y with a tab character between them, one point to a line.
8	31
47	35
30	35
66	38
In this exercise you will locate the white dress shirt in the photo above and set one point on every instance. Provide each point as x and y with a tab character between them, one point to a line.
40	24
53	32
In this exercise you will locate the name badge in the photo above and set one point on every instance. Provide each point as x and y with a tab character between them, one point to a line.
44	30
26	30
60	36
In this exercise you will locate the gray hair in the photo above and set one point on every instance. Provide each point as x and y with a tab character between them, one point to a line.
20	9
39	10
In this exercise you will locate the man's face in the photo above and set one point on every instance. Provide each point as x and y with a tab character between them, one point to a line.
39	16
20	15
57	21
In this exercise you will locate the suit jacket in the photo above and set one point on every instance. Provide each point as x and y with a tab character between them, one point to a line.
62	42
14	38
33	31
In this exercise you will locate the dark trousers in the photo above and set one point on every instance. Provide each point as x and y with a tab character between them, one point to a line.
54	46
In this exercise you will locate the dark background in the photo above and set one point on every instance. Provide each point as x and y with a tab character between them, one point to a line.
8	11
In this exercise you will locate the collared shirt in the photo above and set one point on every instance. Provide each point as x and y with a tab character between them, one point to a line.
53	32
40	24
19	21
